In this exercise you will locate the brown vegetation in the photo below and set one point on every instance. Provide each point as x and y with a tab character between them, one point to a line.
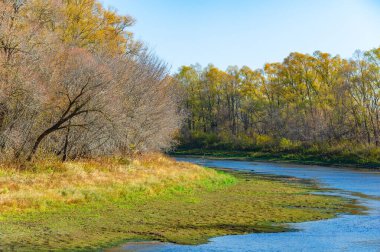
74	83
48	183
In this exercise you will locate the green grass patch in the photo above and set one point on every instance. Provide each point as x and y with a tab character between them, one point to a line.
302	156
185	212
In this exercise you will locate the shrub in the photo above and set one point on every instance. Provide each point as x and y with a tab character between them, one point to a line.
264	141
287	144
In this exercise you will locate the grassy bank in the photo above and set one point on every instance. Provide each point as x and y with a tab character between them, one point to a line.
303	156
85	205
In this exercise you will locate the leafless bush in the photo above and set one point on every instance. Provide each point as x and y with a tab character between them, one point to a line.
77	99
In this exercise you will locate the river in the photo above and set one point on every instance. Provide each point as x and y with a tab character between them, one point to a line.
344	233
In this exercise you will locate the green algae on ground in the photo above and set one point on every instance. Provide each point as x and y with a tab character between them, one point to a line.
186	214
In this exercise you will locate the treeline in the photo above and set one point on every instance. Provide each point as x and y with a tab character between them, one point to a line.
306	100
74	83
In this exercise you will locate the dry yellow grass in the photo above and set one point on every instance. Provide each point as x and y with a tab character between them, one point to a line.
46	183
89	204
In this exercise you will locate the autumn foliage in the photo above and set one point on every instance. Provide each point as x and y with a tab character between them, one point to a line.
74	83
307	100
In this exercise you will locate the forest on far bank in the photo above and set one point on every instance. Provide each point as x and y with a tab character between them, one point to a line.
314	101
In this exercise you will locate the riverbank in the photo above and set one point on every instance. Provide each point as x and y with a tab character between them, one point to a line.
86	205
305	158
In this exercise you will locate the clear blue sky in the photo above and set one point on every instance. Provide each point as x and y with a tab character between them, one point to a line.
251	32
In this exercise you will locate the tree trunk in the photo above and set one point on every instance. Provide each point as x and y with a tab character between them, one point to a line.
64	157
37	143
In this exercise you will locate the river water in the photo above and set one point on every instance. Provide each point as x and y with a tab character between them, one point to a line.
344	233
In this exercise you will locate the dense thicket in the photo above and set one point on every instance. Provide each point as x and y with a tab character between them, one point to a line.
74	82
305	100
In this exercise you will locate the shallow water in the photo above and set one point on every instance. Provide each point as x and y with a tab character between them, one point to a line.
345	233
